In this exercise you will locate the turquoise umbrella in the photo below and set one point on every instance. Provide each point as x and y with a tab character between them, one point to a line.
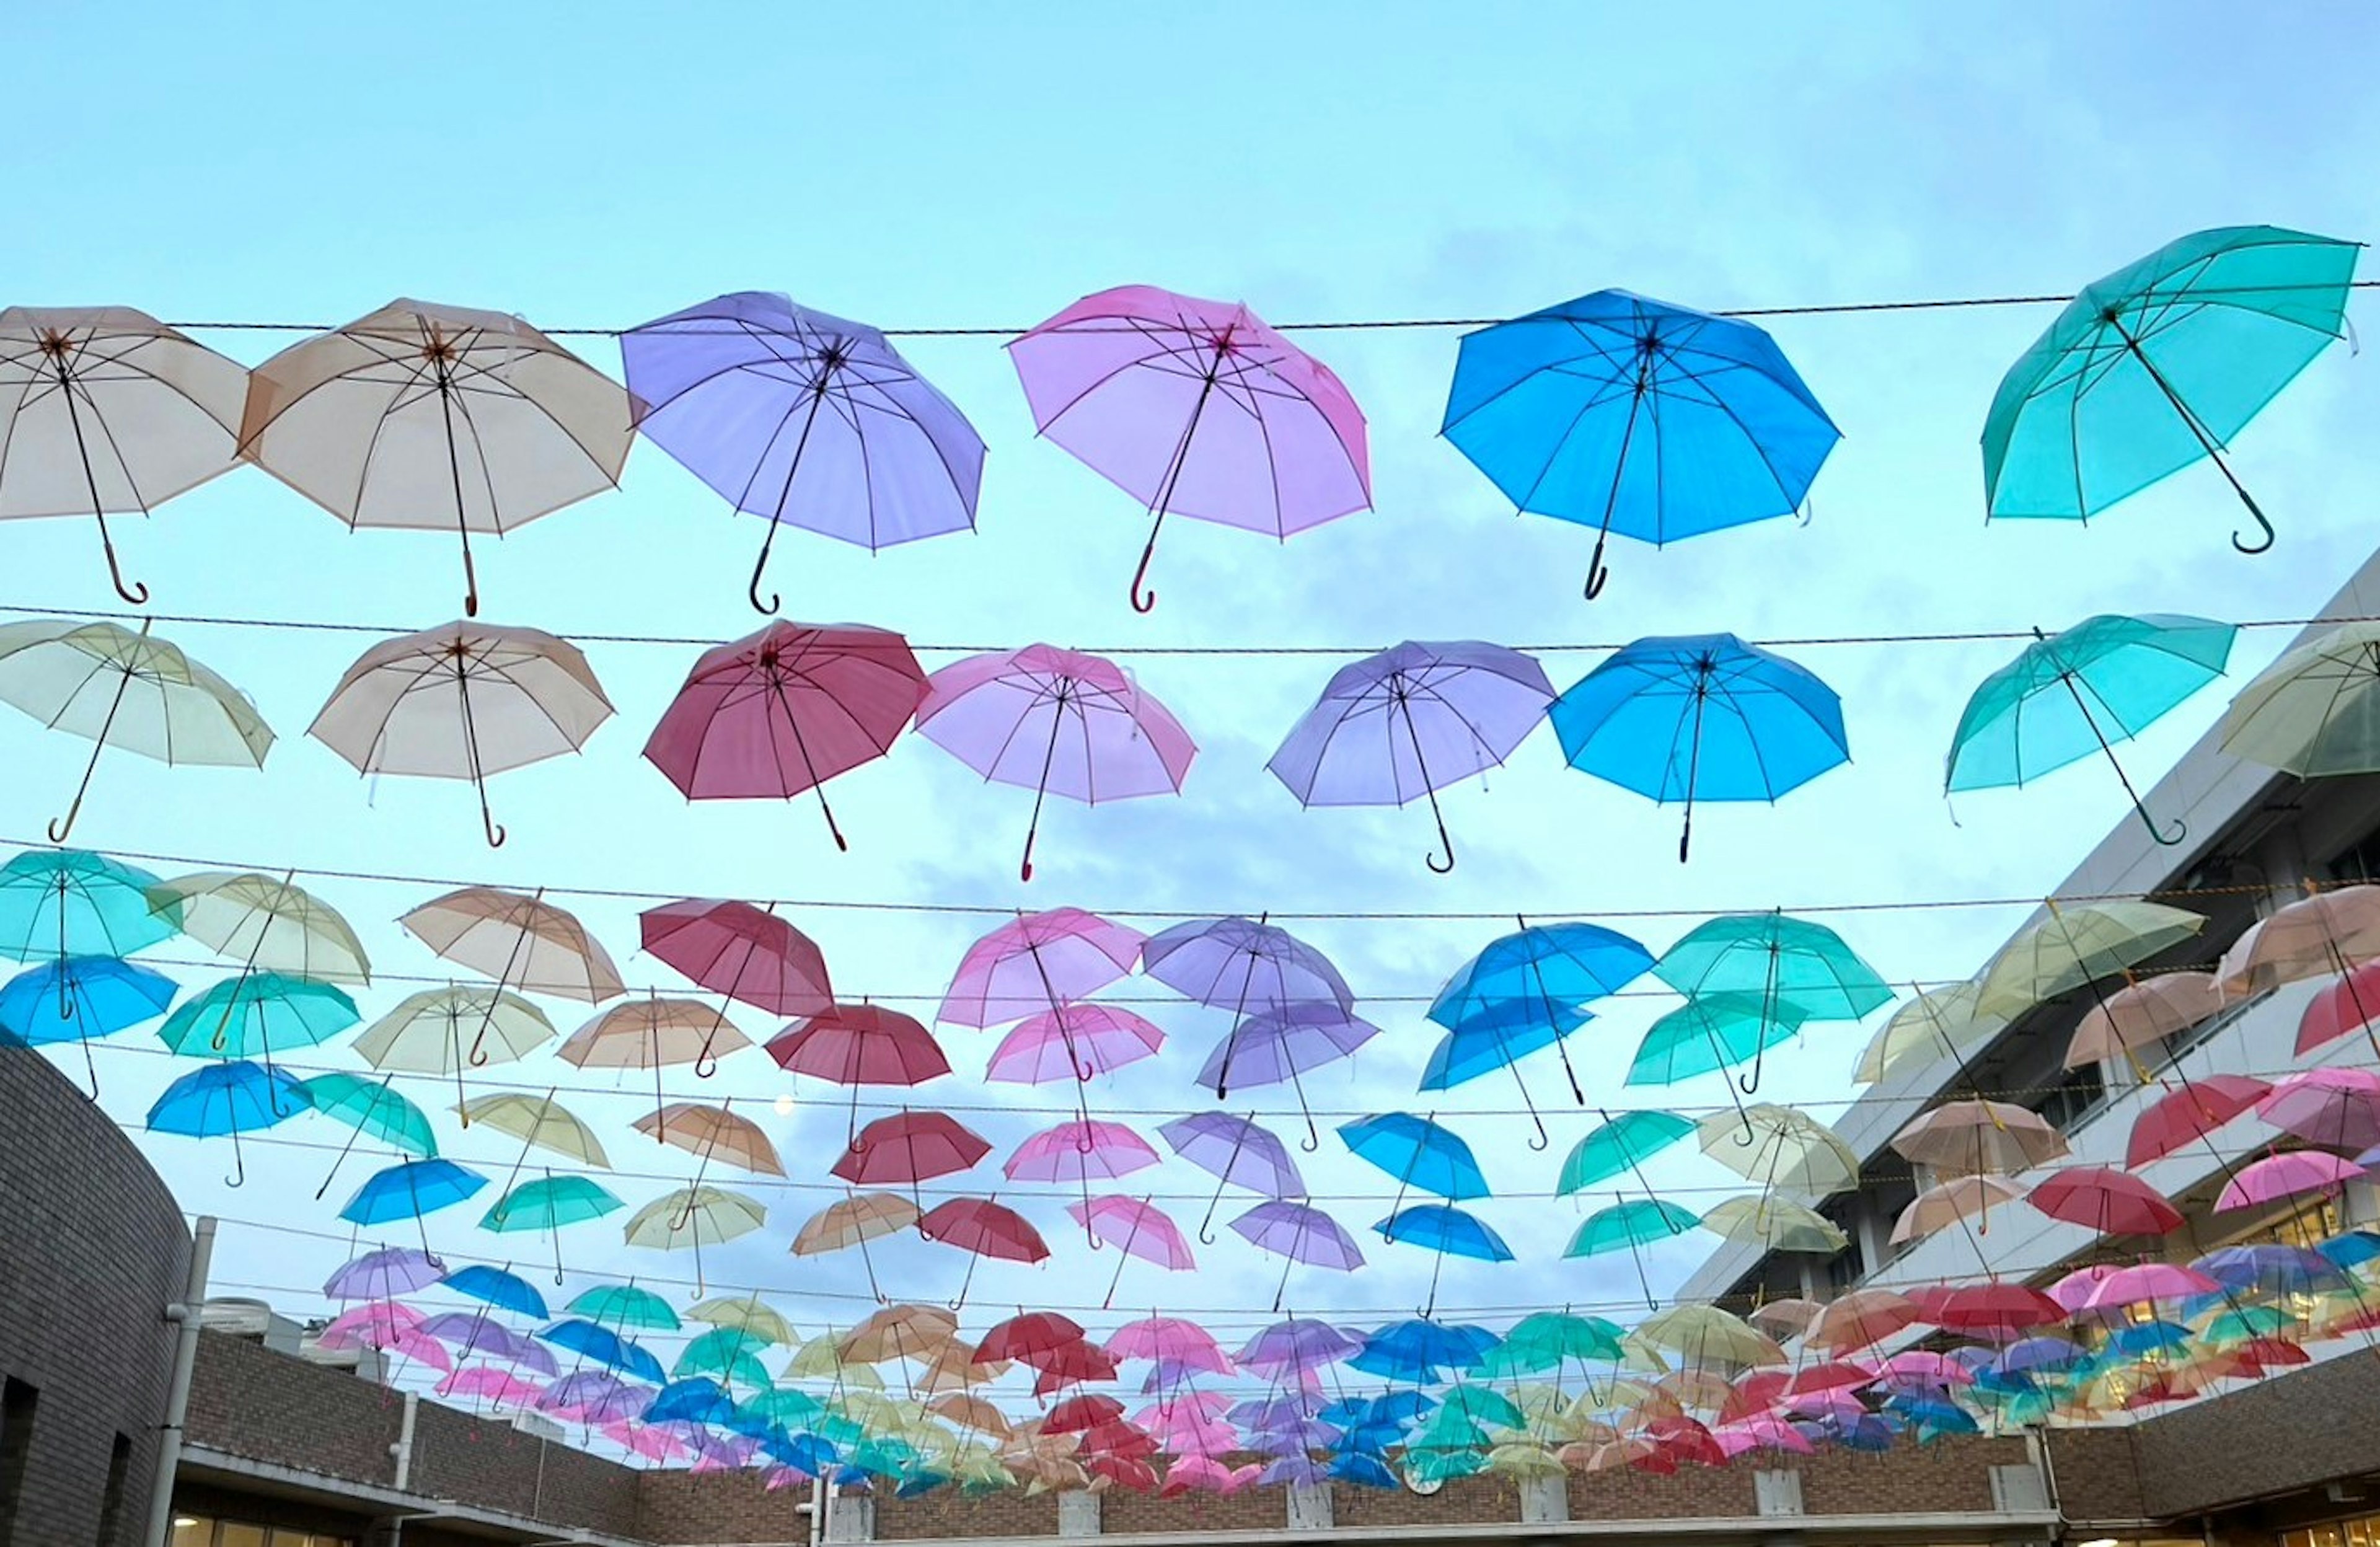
1710	1032
549	1203
256	1012
1630	1226
729	1353
2104	680
1784	960
1622	1143
625	1307
232	1097
2158	365
368	1108
70	903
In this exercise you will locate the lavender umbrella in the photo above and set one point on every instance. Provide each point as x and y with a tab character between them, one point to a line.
805	419
1298	1232
1280	1043
1294	1347
1410	721
1238	1152
1242	965
475	1333
384	1274
1298	1470
594	1396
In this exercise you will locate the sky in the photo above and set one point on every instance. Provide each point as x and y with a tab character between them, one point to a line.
599	164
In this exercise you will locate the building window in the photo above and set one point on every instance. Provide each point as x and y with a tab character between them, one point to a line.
2073	1099
197	1530
111	1501
18	1402
2363	1531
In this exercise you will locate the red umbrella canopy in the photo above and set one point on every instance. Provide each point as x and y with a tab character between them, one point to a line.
1077	1414
2177	1121
861	1044
2112	1202
1995	1308
1028	1336
742	952
1127	1472
2346	1007
986	1229
1072	1365
1115	1439
910	1148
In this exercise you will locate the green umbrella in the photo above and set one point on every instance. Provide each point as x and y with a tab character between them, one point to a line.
1622	1143
2104	680
1543	1339
1476	1405
623	1308
727	1353
1711	1032
256	1012
2158	365
2078	944
1778	957
782	1406
2244	1325
549	1203
1633	1223
2314	712
370	1108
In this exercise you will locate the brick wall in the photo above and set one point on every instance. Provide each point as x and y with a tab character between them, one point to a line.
91	1251
249	1400
2098	1473
2294	1431
677	1505
497	1467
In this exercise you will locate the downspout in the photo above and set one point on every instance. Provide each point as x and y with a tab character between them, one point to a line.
184	1315
2036	1440
403	1450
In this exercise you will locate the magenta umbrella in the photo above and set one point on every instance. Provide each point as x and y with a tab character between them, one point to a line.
2145	1282
1038	962
2340	1108
1079	1151
1135	1227
1196	407
1072	1042
2289	1175
1169	1338
1055	721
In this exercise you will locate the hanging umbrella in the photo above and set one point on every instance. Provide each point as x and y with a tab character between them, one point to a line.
2104	680
1410	721
606	1348
410	1189
805	419
1931	1024
910	1148
1774	1224
1072	1042
77	998
265	923
520	943
1542	972
539	1122
1500	1038
2174	1122
861	1044
625	1307
692	1218
2159	364
1781	1147
466	701
2337	1108
2346	1007
854	1221
2329	932
438	1031
1622	1143
549	1203
2311	713
747	1314
1973	1138
1418	1152
1712	1032
1135	1227
746	953
1298	1232
1861	1318
435	417
785	709
1237	1151
1243	965
370	1109
1079	1151
132	691
1635	416
2109	1202
1055	721
1954	1202
232	1097
385	1273
505	1290
72	903
253	1014
981	1228
1708	1338
714	1133
1196	407
1701	717
105	410
1038	962
2142	1014
654	1032
2078	943
1628	1224
1787	962
1281	1044
1449	1232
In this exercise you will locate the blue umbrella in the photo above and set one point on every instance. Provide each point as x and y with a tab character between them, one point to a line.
1363	1468
505	1291
1701	717
2350	1248
1635	416
699	1399
606	1347
1568	965
77	998
70	903
1418	1154
1498	1037
1448	1231
410	1189
1420	1352
2147	1338
228	1098
2271	1269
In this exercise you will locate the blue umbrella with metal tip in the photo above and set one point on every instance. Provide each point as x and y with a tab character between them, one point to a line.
230	1098
77	998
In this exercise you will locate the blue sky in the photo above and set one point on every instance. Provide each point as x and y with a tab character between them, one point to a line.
601	165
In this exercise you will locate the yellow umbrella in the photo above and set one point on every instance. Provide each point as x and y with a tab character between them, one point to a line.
2311	713
1523	1460
713	1133
1708	1338
749	1314
522	943
692	1218
265	920
1776	1224
1787	1149
2078	943
1931	1024
822	1358
539	1121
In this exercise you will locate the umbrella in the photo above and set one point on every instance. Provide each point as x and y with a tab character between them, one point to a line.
2145	1282
1861	1318
81	998
1701	717
410	1189
1279	1042
1079	1151
523	943
2104	680
254	1013
72	903
502	1388
81	679
1137	1228
1072	1042
1994	1308
981	1227
910	1148
606	1348
1543	1339
475	1333
466	701
1418	1152
2330	931
2173	1122
1787	962
1971	1138
1055	721
1499	1038
370	1107
539	1122
2109	1202
1774	1224
1622	1143
624	1306
1409	721
2337	1107
692	1218
1954	1202
714	1133
430	417
264	922
1629	1223
2159	364
1298	1232
2075	945
805	419
785	709
1635	416
743	952
654	1032
1708	1338
1448	1231
1930	1024
1781	1147
1543	972
549	1203
1712	1032
2311	713
1242	965
2346	1006
861	1044
501	1288
2142	1014
1037	962
441	1030
854	1221
1294	1346
1196	407
385	1273
105	410
1237	1151
747	1314
232	1097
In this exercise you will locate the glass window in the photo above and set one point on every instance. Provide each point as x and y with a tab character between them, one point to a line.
189	1530
231	1533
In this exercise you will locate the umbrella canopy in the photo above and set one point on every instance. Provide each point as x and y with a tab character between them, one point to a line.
1636	1221
2346	1006
1969	1137
2311	712
522	943
549	1203
540	1122
983	1228
114	687
253	1014
2329	931
2160	364
1861	1318
1055	721
372	1110
1566	965
1622	1143
908	1148
1929	1024
1449	1231
605	1347
1701	717
861	1044
264	922
1072	1042
654	1032
1137	1228
1079	1151
232	1097
805	419
2336	1107
1237	1150
1277	1043
1781	1147
2077	943
1705	1337
410	1189
1410	721
466	701
714	1133
438	417
1418	1152
2067	695
77	998
72	903
692	1218
384	1274
441	1030
1774	1224
1784	960
1037	963
2141	1015
2111	1203
2183	1118
850	1221
1635	416
1712	1032
505	1291
746	953
1241	965
1300	1233
105	410
1954	1202
625	1307
1196	407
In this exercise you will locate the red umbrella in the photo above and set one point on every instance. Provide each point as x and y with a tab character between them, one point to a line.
1072	1365
2112	1202
861	1044
2342	1009
1841	1375
1077	1414
1123	1471
1125	1442
740	951
1682	1439
2269	1353
2176	1121
1028	1336
1756	1392
910	1148
982	1228
785	709
1995	1308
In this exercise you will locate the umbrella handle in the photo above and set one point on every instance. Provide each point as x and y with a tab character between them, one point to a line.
137	594
133	591
239	1178
1598	574
2181	828
2253	510
1312	1142
752	592
1144	600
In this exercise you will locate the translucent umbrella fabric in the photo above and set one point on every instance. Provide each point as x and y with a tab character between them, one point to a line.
73	903
2078	943
519	941
746	953
1972	1138
2141	1015
1038	962
2313	712
2329	931
265	922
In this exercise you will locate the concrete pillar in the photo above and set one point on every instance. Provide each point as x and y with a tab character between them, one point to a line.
1310	1507
1872	1234
1545	1501
851	1517
1078	1513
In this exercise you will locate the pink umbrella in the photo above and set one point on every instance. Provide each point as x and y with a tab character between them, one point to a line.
1137	1228
2343	1008
1055	720
421	1346
2146	1282
1206	1474
2074	1291
2286	1175
1170	1338
1762	1430
1196	408
1035	963
375	1325
653	1444
1829	1404
1079	1151
1920	1364
2340	1108
499	1387
1072	1042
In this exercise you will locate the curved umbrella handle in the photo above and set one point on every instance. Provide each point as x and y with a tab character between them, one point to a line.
1144	599
1598	575
138	594
752	592
1543	1139
2256	511
1312	1142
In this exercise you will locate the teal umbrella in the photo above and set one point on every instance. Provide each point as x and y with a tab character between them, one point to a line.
256	1012
1630	1226
1622	1143
625	1307
2158	365
1543	1339
371	1110
1786	962
68	902
2104	680
729	1353
1711	1032
549	1203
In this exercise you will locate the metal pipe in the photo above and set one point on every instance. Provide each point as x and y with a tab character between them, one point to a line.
184	1315
403	1450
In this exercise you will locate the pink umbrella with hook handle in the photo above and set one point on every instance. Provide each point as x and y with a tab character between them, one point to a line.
1135	1227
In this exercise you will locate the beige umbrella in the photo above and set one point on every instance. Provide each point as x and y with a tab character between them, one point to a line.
2078	944
105	410
1779	1147
748	1314
917	1333
523	943
971	1413
855	1222
692	1218
2313	711
1786	1318
272	924
652	1033
466	701
1861	1318
1708	1338
440	1031
1938	1208
437	417
713	1133
118	689
538	1120
1971	1138
2141	1015
1931	1024
1774	1223
2330	931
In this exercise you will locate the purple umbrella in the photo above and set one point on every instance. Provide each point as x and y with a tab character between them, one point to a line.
1295	1436
749	390
1298	1232
1294	1471
1242	965
1238	1152
1271	1412
384	1274
472	1331
596	1396
1410	721
1195	406
1280	1043
1299	1344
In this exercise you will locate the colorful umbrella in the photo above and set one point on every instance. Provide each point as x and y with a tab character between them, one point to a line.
1298	1232
2329	932
910	1148
79	998
1931	1024
714	1133
368	1108
1418	1152
520	943
1701	717
1449	1232
605	1347
1781	1147
264	922
1708	1338
1237	1151
854	1221
80	677
1410	721
1135	1227
503	1289
254	1013
2346	1007
1774	1224
2159	364
440	1031
746	953
692	1218
981	1227
625	1307
1954	1202
1632	415
232	1097
805	419
2142	1014
861	1044
539	1122
72	903
2174	1122
1787	962
1629	1224
1072	1042
1036	963
2311	713
2078	943
385	1273
466	701
1861	1318
410	1189
2103	681
1055	721
1622	1143
1973	1138
2336	1107
2111	1203
1712	1032
1079	1151
1242	965
429	416
652	1033
1280	1043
